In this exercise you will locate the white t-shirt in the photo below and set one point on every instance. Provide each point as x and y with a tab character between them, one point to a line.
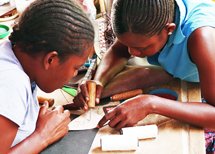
17	101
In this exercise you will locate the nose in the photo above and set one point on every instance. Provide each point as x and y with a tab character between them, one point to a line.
134	52
75	73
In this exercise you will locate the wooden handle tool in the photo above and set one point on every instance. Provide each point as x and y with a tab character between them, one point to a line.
126	95
41	100
91	85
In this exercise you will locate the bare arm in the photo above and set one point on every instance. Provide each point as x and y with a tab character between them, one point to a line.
137	108
138	77
8	130
51	126
111	80
115	77
112	62
201	47
202	50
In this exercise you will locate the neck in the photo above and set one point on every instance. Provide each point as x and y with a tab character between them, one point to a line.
29	64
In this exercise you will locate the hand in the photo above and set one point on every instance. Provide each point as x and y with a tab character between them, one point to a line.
52	124
82	98
128	113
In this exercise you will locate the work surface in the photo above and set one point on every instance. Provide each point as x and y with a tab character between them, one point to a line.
173	137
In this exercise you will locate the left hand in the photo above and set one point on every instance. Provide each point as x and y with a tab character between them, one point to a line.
82	98
52	124
128	113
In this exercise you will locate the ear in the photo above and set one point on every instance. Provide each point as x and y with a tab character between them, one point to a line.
170	27
51	59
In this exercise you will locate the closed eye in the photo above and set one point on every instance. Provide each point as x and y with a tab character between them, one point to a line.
77	67
142	49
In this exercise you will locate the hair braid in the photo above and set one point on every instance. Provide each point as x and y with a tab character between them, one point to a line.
146	17
59	25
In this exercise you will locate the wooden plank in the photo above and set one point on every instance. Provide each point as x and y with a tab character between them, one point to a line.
196	135
173	137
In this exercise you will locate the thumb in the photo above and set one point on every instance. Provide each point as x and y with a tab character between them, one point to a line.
44	107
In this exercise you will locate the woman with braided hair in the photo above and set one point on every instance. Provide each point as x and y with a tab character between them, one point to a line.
177	35
51	40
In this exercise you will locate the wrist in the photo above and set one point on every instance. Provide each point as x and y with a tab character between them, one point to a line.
99	81
151	104
34	140
42	139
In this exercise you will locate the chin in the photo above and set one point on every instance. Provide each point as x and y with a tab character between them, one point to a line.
141	56
48	89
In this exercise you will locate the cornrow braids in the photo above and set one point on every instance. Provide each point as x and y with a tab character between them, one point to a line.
54	25
146	17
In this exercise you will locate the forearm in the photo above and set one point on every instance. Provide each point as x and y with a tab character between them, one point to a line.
196	113
33	144
112	62
138	78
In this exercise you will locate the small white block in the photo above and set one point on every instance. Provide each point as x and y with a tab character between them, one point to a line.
118	143
141	132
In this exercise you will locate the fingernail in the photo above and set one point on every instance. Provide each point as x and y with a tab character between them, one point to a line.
97	100
85	108
87	99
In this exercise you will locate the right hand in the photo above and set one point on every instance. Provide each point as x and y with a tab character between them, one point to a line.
52	124
82	98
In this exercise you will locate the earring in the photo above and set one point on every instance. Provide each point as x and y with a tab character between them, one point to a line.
170	33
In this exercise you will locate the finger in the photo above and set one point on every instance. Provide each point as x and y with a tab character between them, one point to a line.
70	106
65	119
98	93
61	133
121	125
44	108
59	109
102	122
84	92
86	107
113	122
79	101
66	113
106	118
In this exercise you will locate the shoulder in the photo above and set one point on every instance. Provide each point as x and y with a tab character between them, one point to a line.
201	49
197	13
14	84
14	92
201	43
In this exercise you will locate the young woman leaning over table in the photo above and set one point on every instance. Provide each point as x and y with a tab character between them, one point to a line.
177	35
52	39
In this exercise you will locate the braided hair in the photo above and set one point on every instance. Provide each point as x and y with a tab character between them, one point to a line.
146	17
53	25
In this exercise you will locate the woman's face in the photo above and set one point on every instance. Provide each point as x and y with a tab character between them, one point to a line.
62	72
141	46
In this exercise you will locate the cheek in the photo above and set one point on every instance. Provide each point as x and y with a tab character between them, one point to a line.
71	74
155	48
162	42
65	75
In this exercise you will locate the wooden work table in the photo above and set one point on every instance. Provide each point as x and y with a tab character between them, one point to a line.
174	137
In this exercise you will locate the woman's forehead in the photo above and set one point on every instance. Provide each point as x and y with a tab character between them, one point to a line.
136	40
